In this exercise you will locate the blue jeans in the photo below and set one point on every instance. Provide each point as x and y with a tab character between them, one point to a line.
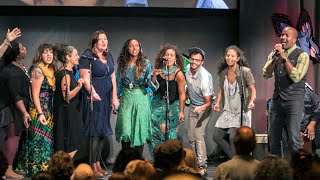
288	115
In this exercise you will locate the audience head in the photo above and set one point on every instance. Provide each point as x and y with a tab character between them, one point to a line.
119	176
169	155
244	141
190	158
45	55
61	165
301	163
139	169
14	52
273	167
132	49
314	173
124	157
172	54
42	175
182	176
83	172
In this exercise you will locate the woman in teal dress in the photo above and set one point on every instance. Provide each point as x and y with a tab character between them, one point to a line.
37	146
161	129
133	127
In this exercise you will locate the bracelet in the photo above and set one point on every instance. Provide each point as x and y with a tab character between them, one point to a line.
39	114
7	42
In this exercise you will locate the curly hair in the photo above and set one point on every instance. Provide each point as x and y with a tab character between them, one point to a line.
61	165
273	167
124	59
12	52
222	64
38	57
158	63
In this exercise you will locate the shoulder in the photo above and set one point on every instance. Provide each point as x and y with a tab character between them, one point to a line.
204	73
37	72
245	69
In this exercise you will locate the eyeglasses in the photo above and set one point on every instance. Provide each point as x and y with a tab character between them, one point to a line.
196	60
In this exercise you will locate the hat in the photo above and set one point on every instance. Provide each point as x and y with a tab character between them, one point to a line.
196	50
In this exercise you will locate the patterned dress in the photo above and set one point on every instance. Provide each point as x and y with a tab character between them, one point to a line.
134	118
36	147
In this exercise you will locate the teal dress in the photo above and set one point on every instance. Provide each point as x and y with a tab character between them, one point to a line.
134	117
159	113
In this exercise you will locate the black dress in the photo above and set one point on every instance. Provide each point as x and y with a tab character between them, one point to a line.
68	126
14	86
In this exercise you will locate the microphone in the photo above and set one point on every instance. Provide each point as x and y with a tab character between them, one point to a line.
163	59
275	53
89	58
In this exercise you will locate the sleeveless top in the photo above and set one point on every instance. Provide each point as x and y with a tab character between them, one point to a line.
173	88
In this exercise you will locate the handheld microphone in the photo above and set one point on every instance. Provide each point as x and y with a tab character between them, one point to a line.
164	59
89	58
275	53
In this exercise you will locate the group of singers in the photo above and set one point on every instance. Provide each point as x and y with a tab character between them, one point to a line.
57	109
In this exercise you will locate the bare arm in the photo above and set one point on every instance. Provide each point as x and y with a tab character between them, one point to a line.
216	107
16	32
182	94
115	101
205	106
37	79
25	114
85	75
253	93
74	91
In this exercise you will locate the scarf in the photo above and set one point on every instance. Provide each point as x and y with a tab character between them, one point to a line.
49	73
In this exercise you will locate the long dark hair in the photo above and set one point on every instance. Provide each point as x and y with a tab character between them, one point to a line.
124	59
158	63
38	57
222	64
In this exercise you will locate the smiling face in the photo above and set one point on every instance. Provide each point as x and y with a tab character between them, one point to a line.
196	61
170	55
288	37
47	56
73	58
134	48
232	57
102	43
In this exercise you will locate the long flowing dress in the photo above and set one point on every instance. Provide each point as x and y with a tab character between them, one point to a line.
97	122
36	147
134	117
68	126
159	112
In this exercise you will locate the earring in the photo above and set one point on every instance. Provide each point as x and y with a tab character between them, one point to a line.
175	63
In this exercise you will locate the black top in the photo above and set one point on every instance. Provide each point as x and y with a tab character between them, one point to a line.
173	88
14	86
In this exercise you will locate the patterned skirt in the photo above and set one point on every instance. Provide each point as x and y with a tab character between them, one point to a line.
36	147
134	117
159	119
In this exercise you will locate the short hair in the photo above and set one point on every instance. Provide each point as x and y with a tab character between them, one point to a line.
273	167
61	165
12	52
83	172
42	175
244	140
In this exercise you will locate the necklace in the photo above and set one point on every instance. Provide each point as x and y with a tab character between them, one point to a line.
21	66
230	88
171	71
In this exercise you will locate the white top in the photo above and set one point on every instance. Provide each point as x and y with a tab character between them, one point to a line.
199	85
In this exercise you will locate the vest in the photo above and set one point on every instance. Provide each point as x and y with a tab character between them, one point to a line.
284	86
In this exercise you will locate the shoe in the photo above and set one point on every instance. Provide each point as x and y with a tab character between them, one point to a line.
10	174
202	171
